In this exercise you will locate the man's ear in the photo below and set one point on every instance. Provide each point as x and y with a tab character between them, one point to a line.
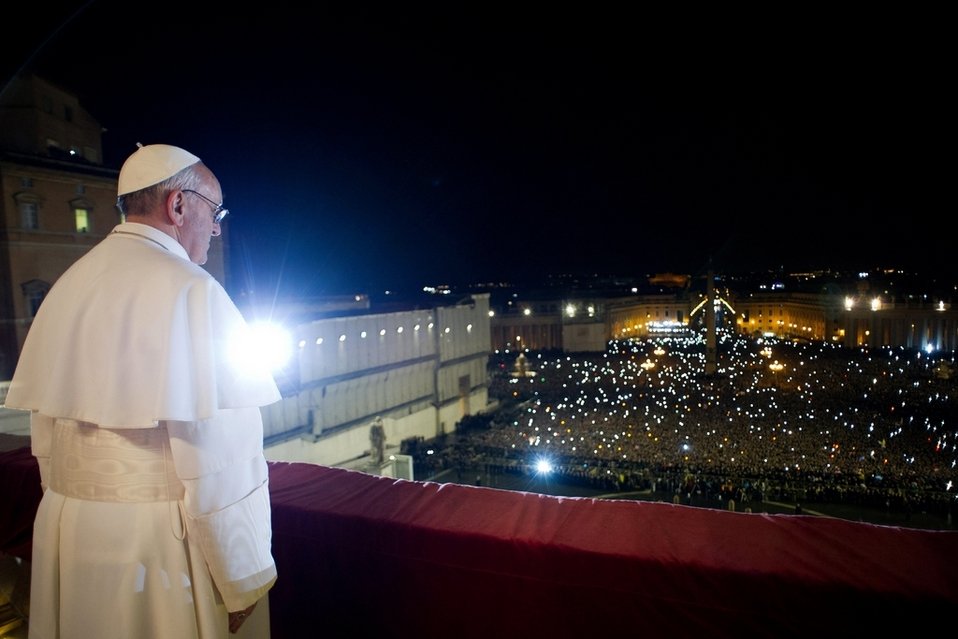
175	208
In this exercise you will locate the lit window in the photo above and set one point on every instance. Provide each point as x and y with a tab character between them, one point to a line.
82	220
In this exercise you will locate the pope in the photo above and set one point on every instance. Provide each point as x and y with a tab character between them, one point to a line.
155	517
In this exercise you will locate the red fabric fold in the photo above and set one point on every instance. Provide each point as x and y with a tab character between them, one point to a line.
360	555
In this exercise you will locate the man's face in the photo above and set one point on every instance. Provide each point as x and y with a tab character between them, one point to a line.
198	225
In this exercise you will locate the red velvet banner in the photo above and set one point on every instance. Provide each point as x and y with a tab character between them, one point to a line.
360	555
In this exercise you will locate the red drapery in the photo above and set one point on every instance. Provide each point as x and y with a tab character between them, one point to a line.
360	555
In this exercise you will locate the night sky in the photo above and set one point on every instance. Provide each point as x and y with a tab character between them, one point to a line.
368	148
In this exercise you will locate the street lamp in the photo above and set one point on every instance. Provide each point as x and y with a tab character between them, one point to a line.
776	367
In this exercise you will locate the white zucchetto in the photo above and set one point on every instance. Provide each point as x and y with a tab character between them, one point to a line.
152	164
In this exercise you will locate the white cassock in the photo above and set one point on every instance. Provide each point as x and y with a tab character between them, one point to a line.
145	421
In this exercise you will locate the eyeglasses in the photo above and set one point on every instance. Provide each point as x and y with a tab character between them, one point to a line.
219	211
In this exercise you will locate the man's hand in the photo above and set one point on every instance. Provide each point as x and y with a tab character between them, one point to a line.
237	618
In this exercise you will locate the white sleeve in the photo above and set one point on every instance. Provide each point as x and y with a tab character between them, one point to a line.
221	464
41	441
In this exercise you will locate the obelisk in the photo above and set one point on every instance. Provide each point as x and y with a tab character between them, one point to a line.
711	365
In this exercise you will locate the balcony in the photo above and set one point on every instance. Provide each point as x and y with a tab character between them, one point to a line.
362	555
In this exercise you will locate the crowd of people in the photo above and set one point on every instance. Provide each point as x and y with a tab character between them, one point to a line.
807	422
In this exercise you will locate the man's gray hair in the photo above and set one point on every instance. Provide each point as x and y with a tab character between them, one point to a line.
142	202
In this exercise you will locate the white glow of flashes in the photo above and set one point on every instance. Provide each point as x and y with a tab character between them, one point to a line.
263	345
